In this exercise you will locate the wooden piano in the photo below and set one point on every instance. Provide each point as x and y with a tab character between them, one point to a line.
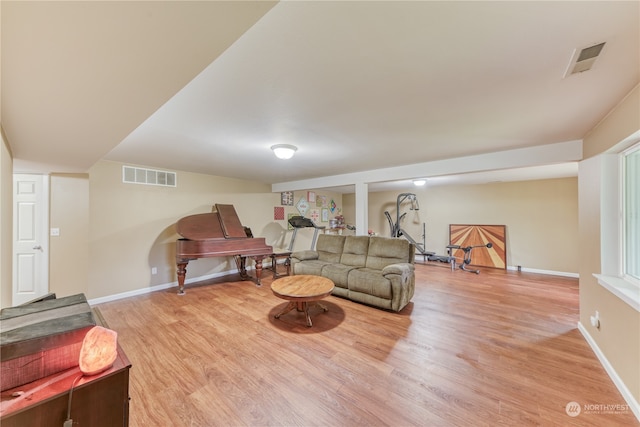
218	234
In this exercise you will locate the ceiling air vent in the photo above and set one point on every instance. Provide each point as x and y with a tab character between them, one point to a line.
133	175
582	60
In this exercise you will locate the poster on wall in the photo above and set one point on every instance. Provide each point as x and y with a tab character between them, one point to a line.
286	198
278	213
302	206
465	235
314	215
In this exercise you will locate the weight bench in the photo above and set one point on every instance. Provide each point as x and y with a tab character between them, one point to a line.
442	258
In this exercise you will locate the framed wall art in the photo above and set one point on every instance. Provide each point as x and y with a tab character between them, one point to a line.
314	215
278	213
311	197
302	206
286	198
479	235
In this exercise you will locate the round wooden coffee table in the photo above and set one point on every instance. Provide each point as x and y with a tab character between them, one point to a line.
300	291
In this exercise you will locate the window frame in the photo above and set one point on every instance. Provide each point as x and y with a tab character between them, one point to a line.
612	219
634	149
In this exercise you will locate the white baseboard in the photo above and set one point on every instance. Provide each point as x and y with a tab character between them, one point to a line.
155	288
622	388
549	272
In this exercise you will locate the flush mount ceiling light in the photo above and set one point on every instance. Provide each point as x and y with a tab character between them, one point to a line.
284	151
419	182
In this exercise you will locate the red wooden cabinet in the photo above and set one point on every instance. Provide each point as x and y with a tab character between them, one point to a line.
97	401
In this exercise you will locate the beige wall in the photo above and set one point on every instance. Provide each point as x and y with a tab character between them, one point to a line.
541	218
69	252
131	227
112	234
619	335
6	222
619	124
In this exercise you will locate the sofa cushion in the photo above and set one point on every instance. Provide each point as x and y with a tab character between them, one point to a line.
304	255
313	267
355	251
338	273
329	247
384	251
370	281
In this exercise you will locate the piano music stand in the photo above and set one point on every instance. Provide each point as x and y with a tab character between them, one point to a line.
302	222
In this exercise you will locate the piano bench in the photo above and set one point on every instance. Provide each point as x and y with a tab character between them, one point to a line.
287	263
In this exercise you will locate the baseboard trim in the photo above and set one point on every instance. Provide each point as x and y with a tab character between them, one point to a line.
155	288
549	272
622	388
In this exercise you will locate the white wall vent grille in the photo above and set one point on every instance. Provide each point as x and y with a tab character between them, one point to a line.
133	175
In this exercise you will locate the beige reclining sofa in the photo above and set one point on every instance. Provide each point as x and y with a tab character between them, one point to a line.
374	270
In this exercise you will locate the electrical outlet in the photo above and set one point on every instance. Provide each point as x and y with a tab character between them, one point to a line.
154	270
595	320
55	231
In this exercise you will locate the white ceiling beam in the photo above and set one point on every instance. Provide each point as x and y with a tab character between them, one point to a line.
562	152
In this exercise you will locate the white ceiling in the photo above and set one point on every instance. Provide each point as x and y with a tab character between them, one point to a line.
357	86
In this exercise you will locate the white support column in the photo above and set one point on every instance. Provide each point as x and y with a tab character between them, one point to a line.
362	209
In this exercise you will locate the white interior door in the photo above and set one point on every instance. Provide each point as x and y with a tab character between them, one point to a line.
30	237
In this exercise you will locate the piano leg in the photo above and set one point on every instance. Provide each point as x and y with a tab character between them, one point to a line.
182	272
258	260
241	262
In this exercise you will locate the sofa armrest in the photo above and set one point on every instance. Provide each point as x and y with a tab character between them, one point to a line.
404	268
403	282
304	255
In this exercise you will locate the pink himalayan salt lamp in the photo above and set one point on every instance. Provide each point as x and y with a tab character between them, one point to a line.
99	350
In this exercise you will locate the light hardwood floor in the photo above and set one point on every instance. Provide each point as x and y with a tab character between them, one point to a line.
498	348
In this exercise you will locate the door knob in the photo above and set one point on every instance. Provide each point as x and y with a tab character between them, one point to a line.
37	247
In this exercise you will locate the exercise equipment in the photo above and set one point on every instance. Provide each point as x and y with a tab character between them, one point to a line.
298	222
467	255
397	231
449	259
